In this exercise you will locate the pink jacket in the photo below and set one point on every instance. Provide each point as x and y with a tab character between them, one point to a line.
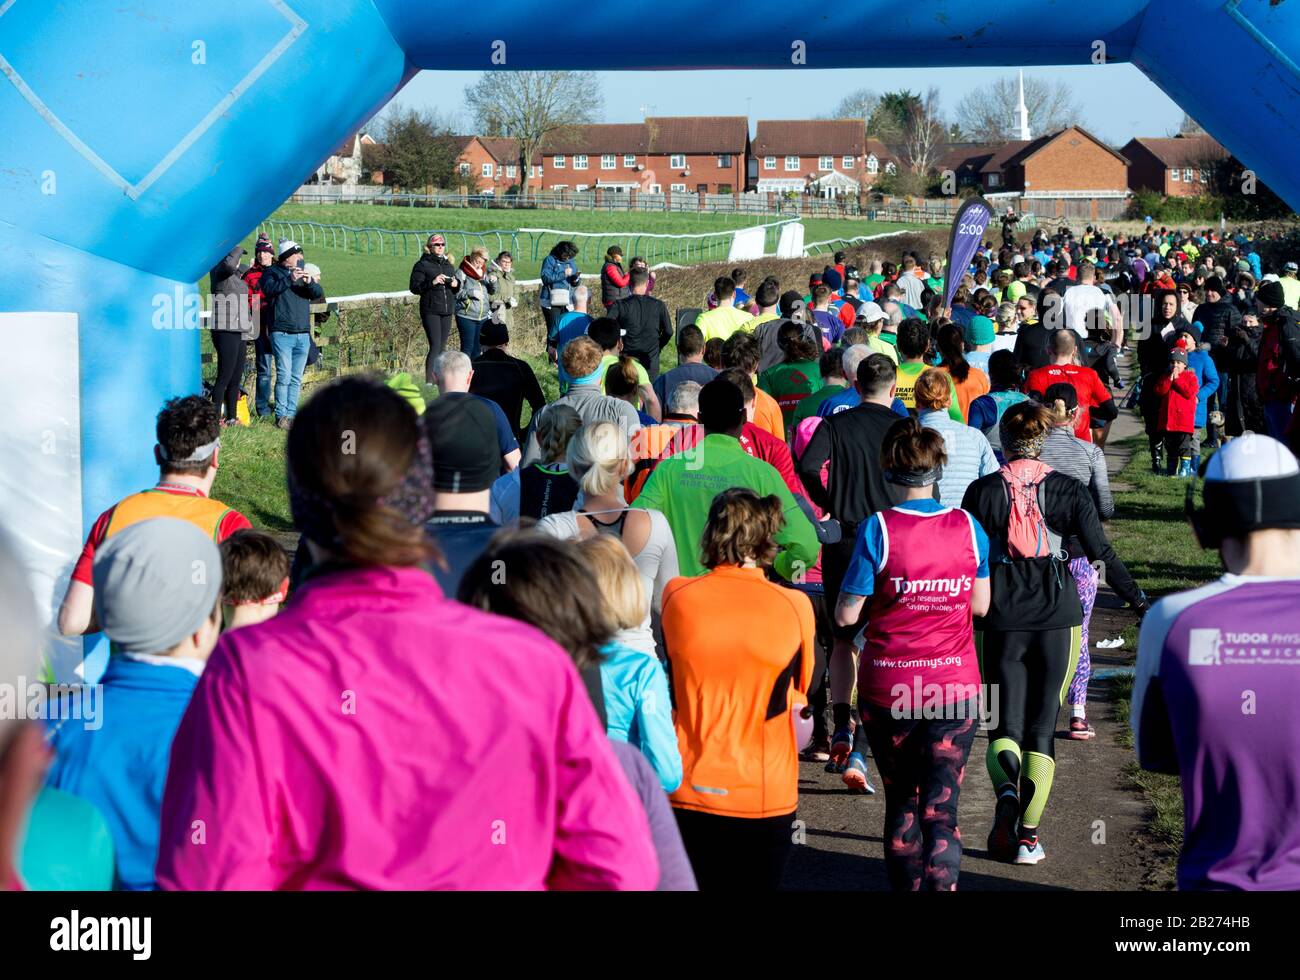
377	735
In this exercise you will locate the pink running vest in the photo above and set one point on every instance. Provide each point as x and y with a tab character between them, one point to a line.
919	632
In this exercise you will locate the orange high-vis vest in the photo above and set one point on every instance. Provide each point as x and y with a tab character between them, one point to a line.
203	512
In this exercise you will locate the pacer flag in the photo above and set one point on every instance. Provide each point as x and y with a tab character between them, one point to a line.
967	232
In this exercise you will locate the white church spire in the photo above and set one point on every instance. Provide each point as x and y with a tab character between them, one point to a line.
1022	113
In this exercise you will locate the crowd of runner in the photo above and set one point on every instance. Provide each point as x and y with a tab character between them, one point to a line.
590	649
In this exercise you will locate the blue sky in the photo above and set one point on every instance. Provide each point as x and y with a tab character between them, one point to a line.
1118	101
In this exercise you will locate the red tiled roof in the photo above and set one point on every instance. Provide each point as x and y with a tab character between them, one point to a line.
1017	152
597	138
959	157
810	137
502	149
345	148
883	153
1002	155
1179	151
697	134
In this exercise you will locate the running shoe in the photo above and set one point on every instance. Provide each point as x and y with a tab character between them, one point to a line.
1003	836
841	746
855	775
1030	851
818	750
1081	730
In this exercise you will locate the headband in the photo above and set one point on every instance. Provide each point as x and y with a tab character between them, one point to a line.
914	478
199	455
589	379
412	497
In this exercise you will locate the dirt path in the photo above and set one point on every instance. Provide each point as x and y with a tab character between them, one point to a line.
1092	831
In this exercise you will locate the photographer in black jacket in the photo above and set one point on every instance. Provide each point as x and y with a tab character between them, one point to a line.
434	280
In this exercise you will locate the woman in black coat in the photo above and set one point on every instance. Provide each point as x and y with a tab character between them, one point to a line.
1243	410
435	281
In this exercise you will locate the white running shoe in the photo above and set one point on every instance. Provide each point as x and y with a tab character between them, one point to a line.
1030	852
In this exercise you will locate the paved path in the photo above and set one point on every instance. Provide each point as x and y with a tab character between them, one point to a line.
1092	828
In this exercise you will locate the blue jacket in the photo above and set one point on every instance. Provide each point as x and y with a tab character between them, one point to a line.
637	709
553	277
969	455
1207	377
121	766
291	302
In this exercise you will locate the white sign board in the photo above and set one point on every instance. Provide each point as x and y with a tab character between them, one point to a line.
40	462
791	244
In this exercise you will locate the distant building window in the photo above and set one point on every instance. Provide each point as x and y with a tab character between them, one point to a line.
847	162
769	163
1187	175
792	164
891	168
464	169
656	189
560	187
559	162
608	161
825	163
724	159
537	170
629	160
995	180
873	165
724	188
1204	177
580	161
1173	175
579	187
675	188
677	161
511	170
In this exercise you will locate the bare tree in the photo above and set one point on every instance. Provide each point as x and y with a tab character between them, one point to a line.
988	114
924	133
859	104
531	105
1189	126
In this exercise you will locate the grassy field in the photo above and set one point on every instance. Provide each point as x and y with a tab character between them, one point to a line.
347	271
1151	534
251	476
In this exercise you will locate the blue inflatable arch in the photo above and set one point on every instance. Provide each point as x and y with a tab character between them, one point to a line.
142	139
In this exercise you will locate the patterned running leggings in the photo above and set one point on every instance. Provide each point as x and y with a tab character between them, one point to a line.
921	762
1085	580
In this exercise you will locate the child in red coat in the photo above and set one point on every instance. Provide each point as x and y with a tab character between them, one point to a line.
1177	392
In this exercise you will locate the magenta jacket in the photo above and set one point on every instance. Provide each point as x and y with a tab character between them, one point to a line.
378	735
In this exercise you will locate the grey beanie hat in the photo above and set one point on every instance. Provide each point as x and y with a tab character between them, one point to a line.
155	584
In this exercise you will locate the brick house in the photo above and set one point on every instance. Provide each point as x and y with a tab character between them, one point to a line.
580	158
1069	173
697	154
487	164
1177	166
827	157
965	160
684	154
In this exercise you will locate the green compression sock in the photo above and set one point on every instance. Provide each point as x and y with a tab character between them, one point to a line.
1035	787
1003	761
